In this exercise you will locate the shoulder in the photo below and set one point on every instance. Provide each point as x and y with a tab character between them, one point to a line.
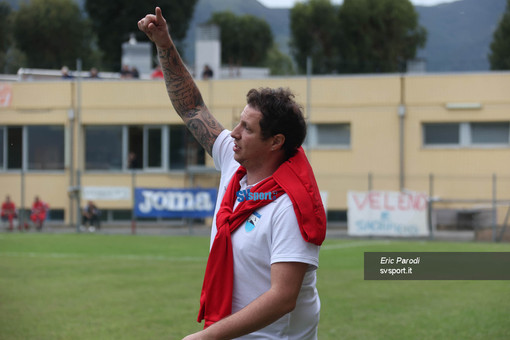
283	206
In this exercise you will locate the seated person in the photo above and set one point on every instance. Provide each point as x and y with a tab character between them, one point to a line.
91	216
38	214
9	211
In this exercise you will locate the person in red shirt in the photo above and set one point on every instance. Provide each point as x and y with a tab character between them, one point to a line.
38	214
9	211
157	73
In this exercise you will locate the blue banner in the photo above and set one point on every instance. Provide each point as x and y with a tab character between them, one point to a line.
175	203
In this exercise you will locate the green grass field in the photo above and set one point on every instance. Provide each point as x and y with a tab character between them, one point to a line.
91	286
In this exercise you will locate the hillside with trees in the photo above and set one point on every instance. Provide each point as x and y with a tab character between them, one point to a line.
459	34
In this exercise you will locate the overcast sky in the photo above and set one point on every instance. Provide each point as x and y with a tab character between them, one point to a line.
289	3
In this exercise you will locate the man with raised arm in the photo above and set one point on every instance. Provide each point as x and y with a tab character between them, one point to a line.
269	223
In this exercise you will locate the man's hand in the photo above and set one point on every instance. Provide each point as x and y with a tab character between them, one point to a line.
155	27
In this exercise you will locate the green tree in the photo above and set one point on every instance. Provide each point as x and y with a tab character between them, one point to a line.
377	35
114	20
245	40
52	33
5	33
499	56
279	64
313	25
230	36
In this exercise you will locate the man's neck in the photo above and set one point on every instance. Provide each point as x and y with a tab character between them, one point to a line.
254	176
252	179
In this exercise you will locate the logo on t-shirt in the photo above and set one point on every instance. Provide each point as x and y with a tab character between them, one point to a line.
251	222
247	195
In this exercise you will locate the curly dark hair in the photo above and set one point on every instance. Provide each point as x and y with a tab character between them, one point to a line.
280	114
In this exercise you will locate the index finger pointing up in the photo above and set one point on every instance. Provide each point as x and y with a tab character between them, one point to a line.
159	14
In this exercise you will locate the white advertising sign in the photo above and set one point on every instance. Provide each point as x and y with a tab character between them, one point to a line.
387	213
107	193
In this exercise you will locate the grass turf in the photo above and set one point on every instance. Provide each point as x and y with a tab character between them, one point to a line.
92	286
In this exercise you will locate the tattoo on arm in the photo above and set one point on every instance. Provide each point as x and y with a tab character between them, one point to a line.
187	100
202	133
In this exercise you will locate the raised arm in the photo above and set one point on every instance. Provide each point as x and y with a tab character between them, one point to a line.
181	87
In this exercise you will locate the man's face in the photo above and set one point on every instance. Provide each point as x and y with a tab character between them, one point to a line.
250	148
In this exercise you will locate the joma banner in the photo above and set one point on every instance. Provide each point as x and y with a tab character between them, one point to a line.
195	202
387	213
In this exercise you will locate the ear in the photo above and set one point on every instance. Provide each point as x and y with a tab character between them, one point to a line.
278	141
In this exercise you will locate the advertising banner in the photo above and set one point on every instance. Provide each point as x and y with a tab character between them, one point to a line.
175	203
387	213
106	193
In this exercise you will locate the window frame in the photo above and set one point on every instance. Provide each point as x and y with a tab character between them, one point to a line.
163	148
465	137
84	155
165	133
27	149
24	150
312	138
492	144
440	145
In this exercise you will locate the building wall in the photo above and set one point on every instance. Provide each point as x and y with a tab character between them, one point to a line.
368	104
462	171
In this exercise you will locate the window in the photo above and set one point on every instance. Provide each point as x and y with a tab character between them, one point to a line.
145	145
45	147
466	134
14	147
490	133
177	149
195	153
154	148
335	135
141	147
184	149
103	148
135	141
442	134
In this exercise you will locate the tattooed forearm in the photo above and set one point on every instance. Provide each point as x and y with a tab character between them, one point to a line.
182	90
202	133
187	100
211	122
185	96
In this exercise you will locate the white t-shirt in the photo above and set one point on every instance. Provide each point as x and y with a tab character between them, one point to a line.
270	235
